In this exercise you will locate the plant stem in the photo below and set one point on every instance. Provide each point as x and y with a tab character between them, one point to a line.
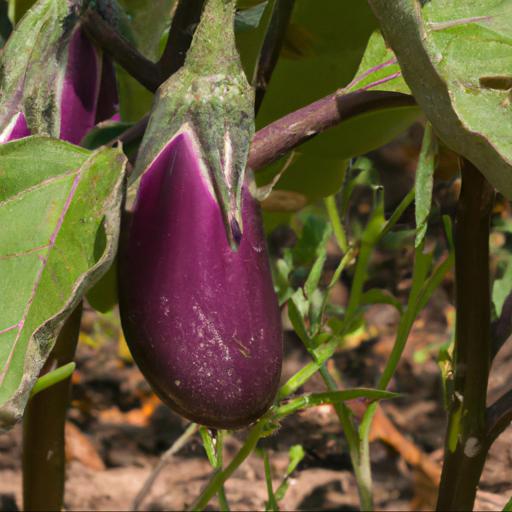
467	443
44	459
336	223
218	479
281	136
271	48
186	17
119	49
363	478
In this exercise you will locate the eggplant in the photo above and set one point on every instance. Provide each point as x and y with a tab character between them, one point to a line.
202	321
196	298
54	80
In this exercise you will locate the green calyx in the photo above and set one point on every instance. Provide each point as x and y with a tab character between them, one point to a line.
211	97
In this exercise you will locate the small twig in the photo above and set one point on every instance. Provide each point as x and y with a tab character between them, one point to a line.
184	22
281	136
164	460
271	48
120	50
499	416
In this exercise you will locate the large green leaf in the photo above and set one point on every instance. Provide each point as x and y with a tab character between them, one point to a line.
59	211
323	47
457	58
323	50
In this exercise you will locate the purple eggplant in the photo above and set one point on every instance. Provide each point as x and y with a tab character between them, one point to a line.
202	320
196	298
64	87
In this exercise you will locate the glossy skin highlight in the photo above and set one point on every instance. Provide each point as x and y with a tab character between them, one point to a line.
201	320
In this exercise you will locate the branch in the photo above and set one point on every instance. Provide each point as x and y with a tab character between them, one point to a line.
120	50
281	136
499	416
271	48
184	22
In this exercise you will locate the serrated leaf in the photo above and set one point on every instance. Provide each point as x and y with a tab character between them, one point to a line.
59	211
456	58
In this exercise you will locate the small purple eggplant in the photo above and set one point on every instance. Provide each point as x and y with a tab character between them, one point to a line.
195	291
54	81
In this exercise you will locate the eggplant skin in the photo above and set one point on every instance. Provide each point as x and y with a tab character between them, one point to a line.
201	320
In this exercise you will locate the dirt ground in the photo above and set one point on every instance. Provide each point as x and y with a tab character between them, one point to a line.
118	429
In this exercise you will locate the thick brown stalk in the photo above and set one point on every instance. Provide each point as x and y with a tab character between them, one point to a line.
44	459
467	442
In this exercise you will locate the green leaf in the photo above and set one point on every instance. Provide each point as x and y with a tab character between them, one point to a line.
378	66
60	210
508	506
149	21
376	296
322	50
295	454
425	182
52	378
17	8
297	310
103	133
456	57
501	288
330	397
250	18
103	295
209	446
271	504
312	240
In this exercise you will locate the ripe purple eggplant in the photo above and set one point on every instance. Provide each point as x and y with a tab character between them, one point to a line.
196	298
64	87
201	320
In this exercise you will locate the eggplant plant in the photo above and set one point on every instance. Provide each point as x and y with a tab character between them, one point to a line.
108	154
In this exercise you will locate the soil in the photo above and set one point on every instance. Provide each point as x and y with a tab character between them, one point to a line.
117	431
